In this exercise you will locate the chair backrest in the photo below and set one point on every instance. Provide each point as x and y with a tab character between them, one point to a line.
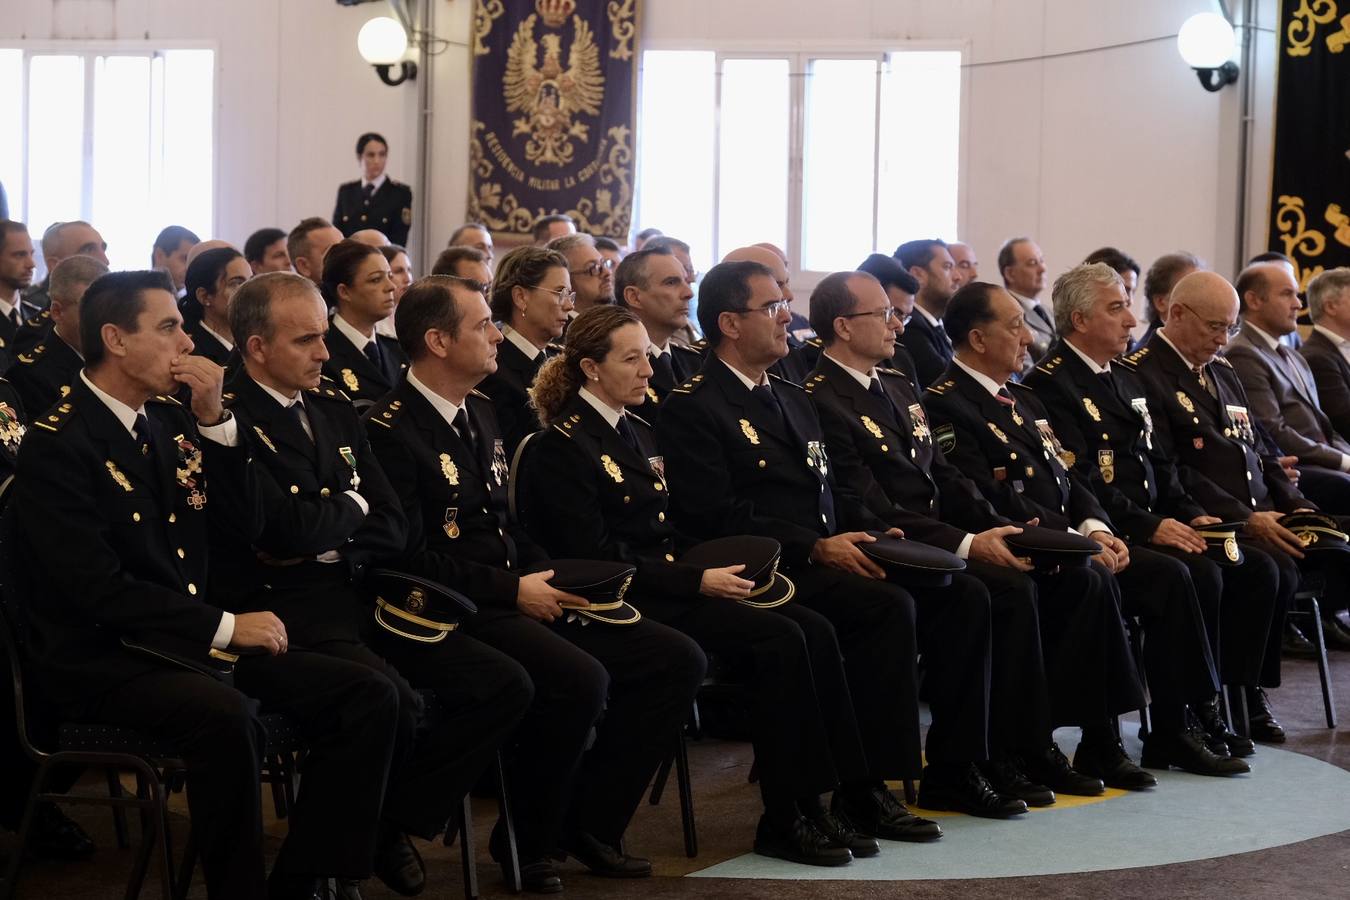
13	630
512	495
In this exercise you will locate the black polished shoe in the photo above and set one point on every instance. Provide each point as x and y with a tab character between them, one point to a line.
604	860
1294	644
1334	634
799	842
1188	750
1218	736
841	834
966	791
1051	768
1109	762
397	862
52	835
1007	778
539	877
879	815
1261	718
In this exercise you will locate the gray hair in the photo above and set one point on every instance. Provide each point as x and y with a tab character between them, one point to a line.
567	242
1076	291
72	275
1326	286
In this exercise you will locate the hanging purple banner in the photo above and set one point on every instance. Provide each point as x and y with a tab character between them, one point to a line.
553	114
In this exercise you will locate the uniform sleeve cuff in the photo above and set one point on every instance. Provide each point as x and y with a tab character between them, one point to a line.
1091	525
225	433
224	632
963	550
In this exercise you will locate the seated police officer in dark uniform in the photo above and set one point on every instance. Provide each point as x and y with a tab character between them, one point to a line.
437	439
1002	440
212	279
596	468
328	513
374	200
883	452
531	298
360	290
745	454
124	476
803	346
651	284
1202	420
46	371
1100	411
901	288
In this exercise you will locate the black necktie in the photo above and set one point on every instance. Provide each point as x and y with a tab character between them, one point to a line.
15	316
376	356
625	429
765	395
1045	317
296	413
875	389
945	341
465	430
142	429
368	191
663	371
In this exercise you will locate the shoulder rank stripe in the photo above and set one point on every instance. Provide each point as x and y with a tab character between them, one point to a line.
1133	359
942	388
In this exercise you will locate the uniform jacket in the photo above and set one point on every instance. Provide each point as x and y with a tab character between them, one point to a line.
1287	408
1106	430
583	492
1331	374
684	364
454	499
1011	453
117	540
883	453
734	470
508	388
389	210
1224	463
929	350
351	370
46	372
204	343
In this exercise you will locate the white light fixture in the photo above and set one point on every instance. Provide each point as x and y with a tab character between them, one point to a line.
382	42
1206	42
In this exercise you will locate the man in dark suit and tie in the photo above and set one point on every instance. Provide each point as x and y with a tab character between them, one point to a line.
929	263
374	200
16	274
651	283
1023	269
1327	349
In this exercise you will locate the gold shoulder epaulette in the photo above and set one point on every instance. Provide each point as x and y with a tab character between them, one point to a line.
1048	366
635	417
1223	361
323	390
167	399
56	417
811	382
814	341
689	386
386	412
700	345
1133	359
942	388
783	381
480	395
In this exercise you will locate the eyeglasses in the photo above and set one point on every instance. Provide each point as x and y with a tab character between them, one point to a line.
594	268
771	310
563	295
1215	328
887	314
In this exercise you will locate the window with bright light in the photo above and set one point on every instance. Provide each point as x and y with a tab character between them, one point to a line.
829	156
124	140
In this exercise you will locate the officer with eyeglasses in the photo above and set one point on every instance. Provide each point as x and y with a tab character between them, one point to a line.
592	274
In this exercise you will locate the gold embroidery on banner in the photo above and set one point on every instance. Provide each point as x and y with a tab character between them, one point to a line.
1299	240
1303	24
1337	41
550	95
1337	218
621	23
484	13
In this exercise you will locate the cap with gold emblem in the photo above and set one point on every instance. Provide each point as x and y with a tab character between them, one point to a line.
1221	543
1317	531
416	608
759	555
910	562
601	583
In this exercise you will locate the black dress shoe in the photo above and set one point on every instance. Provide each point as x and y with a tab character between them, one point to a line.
1051	768
1006	777
1294	644
841	834
876	813
1334	634
539	877
604	860
397	862
966	790
1261	718
1187	750
52	835
1109	762
799	842
1218	736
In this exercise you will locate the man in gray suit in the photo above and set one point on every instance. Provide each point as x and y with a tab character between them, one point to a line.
1327	349
1281	388
1023	269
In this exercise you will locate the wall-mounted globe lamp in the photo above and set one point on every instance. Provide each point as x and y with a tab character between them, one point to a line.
383	42
1206	42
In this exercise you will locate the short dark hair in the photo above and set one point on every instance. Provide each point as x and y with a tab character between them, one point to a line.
117	298
340	264
451	257
297	242
173	236
255	248
1252	278
1118	260
632	269
1006	256
540	227
607	243
251	306
890	272
11	225
1270	256
390	251
647	234
205	270
918	253
1164	274
367	138
673	244
725	288
831	299
969	308
463	228
428	303
521	267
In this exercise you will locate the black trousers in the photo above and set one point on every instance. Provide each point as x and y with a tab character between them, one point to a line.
1328	488
804	728
345	712
654	673
1158	588
954	638
544	753
482	694
1288	576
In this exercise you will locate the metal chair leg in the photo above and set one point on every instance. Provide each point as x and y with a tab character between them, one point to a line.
118	813
466	849
659	784
11	883
1323	670
509	824
149	841
686	798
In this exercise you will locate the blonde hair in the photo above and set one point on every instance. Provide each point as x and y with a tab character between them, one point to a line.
588	337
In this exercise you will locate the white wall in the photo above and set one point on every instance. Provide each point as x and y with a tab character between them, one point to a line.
1118	146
